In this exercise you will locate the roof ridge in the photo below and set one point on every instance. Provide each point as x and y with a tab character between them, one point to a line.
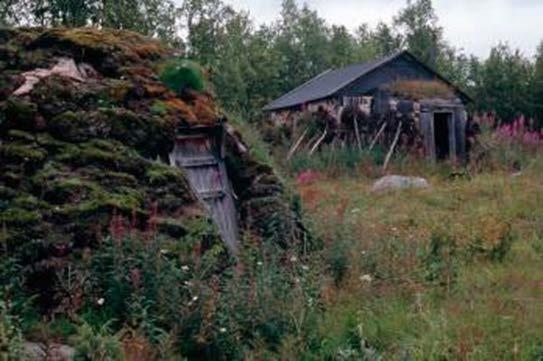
269	105
375	64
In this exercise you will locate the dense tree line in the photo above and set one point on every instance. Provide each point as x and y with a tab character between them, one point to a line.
251	65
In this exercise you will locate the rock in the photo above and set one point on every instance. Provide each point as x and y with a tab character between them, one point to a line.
395	182
33	351
59	352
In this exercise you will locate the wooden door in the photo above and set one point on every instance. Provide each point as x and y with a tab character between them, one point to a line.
427	128
200	156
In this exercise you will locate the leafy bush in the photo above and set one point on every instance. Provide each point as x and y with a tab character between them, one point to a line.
10	334
97	344
440	261
182	74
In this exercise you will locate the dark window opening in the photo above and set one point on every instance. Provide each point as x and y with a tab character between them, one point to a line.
441	134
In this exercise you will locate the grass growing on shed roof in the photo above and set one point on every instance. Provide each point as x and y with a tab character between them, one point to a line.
420	89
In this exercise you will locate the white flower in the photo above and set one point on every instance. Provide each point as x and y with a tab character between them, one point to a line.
185	268
194	299
363	253
164	251
305	268
259	263
293	259
101	301
188	283
222	330
366	278
356	210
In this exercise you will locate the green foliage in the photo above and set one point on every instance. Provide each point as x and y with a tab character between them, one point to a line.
440	261
182	74
10	335
502	83
97	344
335	161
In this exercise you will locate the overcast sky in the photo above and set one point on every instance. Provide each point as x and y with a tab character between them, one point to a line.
474	25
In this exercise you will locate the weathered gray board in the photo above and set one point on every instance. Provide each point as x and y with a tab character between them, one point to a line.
201	157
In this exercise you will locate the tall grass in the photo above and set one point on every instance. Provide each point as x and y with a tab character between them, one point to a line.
448	273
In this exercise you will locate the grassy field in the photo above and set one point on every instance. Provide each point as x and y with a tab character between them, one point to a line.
453	272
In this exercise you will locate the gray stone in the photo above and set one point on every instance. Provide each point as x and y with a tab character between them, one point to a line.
59	352
33	351
395	182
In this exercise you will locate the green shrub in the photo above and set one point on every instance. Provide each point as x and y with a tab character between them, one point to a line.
182	74
440	261
10	335
97	344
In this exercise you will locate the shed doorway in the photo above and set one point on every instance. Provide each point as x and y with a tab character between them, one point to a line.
441	135
200	153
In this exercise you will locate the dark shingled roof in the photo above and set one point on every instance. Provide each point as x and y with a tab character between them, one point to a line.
331	81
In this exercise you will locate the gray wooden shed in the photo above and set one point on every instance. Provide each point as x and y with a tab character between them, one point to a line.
398	84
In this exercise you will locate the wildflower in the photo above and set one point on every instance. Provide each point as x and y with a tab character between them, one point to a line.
293	259
305	268
188	283
222	330
355	210
366	278
363	253
164	251
191	302
185	268
135	277
259	263
101	301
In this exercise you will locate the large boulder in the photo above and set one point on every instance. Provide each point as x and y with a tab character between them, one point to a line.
395	182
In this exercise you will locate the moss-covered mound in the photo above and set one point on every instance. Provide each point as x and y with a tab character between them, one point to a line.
83	120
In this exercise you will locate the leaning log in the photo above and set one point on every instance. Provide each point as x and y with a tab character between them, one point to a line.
393	146
318	143
297	144
377	136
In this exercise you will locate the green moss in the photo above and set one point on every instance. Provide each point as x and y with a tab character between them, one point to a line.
63	190
159	108
126	202
19	217
28	202
15	134
159	174
7	193
20	114
110	179
22	154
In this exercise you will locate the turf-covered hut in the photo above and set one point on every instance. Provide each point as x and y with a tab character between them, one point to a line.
88	128
396	101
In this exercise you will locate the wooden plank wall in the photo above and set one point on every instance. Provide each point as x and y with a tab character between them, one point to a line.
201	158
